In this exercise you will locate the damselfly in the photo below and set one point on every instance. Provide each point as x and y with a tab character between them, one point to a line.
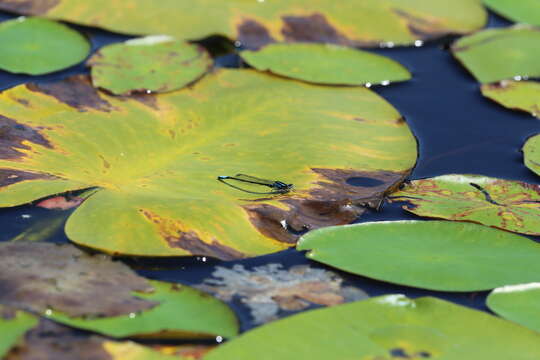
277	187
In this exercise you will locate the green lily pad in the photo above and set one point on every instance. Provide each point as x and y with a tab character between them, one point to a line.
498	54
386	327
38	46
326	64
531	153
155	160
13	325
518	95
461	257
505	204
517	303
183	312
150	64
256	23
524	11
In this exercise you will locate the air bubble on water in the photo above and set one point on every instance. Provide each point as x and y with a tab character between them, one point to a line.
388	44
385	82
219	339
26	216
237	43
418	43
368	85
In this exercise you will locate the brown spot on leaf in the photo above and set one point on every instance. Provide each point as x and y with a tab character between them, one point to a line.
422	28
76	91
28	7
253	35
40	276
313	28
60	203
12	136
10	177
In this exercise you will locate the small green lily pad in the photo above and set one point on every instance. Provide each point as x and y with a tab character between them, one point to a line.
518	95
517	303
524	11
386	327
326	64
499	54
157	63
531	153
13	325
460	257
38	46
505	204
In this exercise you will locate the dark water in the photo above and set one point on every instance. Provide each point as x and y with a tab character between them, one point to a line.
457	129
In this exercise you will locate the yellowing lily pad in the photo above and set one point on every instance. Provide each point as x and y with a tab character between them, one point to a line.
255	23
531	152
498	54
326	64
517	303
13	325
524	11
505	204
386	327
518	95
155	160
460	257
156	63
38	46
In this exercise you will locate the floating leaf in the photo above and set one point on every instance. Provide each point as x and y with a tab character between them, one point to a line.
498	54
13	325
531	154
461	257
386	327
519	95
155	160
182	312
505	204
150	64
268	289
41	276
254	23
39	46
525	11
518	303
326	64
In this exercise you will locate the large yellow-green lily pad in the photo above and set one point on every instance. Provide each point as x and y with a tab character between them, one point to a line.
505	204
326	64
519	303
524	11
498	54
155	160
386	327
531	154
254	23
518	95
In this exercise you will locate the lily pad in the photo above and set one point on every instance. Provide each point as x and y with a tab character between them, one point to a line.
499	54
255	23
183	312
524	11
517	303
156	63
13	325
518	95
505	204
531	154
38	46
386	327
155	160
461	257
326	64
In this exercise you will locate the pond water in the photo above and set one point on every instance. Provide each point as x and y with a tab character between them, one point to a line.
458	131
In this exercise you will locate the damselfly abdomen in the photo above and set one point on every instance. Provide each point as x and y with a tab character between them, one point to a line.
278	187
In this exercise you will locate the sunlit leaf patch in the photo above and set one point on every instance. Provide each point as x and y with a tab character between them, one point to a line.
518	95
38	46
523	11
156	63
505	204
386	327
519	303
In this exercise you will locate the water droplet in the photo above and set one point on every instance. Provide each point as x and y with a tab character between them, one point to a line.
385	82
388	44
132	315
148	91
26	216
237	43
283	223
418	43
368	85
48	312
219	339
518	78
203	259
260	1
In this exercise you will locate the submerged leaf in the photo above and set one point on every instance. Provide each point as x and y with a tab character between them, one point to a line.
499	54
326	64
39	46
269	289
13	325
518	95
386	327
149	64
255	23
518	303
505	204
41	276
460	257
531	153
524	11
155	160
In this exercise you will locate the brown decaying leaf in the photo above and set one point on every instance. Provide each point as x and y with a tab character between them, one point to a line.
268	289
42	276
60	203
